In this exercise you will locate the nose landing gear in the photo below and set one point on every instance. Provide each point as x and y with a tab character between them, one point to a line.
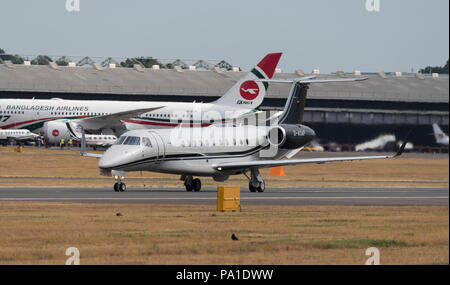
119	186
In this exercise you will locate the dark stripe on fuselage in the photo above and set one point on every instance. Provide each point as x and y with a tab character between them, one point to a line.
191	156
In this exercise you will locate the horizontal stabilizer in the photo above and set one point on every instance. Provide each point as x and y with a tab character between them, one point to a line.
312	79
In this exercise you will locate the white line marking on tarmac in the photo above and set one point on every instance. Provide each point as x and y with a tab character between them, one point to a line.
200	198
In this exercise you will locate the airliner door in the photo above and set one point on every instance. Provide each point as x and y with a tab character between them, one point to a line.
159	145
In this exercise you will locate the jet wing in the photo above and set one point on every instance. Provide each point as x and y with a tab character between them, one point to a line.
272	163
113	121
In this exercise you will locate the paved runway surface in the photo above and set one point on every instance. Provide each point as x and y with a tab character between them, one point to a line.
273	196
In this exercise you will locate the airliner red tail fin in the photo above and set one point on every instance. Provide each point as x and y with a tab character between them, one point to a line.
247	92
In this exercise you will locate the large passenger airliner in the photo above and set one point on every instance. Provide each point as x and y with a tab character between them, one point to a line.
49	117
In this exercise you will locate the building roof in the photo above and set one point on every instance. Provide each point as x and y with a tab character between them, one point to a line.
139	81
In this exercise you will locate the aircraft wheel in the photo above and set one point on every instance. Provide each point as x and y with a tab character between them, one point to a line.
189	188
262	187
122	187
251	187
197	184
116	187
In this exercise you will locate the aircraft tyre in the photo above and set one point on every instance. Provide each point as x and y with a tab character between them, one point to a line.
261	187
116	187
197	184
251	187
122	187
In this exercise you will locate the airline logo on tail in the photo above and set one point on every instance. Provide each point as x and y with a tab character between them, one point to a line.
249	90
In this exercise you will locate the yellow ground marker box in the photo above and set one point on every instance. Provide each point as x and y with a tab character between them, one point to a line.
228	198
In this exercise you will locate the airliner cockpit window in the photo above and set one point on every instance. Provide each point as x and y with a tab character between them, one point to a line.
120	140
132	141
146	142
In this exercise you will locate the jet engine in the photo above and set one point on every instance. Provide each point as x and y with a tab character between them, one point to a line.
54	131
290	136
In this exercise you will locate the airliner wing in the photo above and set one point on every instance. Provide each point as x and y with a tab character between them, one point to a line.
113	120
272	163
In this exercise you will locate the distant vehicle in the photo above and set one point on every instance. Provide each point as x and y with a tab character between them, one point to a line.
332	146
439	135
313	146
7	136
381	143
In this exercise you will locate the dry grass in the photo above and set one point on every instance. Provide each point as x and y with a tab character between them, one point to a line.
39	233
58	166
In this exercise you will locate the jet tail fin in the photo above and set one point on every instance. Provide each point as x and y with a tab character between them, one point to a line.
247	93
439	135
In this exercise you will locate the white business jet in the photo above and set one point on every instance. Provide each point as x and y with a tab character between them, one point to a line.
7	136
220	151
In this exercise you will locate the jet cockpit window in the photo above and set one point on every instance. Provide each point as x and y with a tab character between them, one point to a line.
146	142
132	141
120	140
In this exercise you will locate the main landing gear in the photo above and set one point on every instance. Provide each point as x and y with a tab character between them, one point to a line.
191	184
256	182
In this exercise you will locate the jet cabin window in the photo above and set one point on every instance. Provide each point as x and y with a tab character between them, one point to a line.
120	140
132	141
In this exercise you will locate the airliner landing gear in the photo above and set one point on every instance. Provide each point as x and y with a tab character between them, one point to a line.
192	184
256	183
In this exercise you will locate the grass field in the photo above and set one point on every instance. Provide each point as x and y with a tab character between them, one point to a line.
67	168
39	233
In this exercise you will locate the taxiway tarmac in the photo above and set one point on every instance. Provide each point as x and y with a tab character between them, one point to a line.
272	196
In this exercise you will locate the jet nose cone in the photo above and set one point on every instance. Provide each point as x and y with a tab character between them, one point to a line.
104	162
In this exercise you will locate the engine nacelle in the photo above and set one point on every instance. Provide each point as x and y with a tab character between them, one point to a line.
290	136
54	131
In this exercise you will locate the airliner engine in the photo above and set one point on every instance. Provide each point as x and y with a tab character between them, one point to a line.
54	131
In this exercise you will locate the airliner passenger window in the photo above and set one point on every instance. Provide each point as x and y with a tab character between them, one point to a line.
132	141
146	142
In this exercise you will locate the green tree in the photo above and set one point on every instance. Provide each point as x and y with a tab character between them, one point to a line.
16	59
41	60
147	62
435	69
